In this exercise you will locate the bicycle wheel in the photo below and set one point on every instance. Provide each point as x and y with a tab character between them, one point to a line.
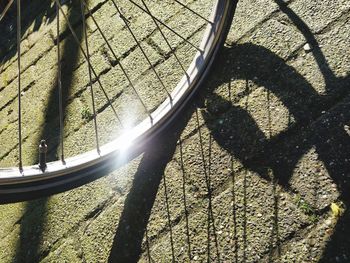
177	42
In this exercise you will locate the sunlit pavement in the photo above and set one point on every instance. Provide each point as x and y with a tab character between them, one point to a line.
256	170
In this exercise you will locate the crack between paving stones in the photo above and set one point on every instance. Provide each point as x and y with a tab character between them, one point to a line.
297	235
14	98
276	13
13	148
72	231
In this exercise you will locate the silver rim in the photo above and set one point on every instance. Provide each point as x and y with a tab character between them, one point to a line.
32	178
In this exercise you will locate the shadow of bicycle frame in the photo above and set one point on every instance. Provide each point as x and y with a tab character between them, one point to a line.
241	136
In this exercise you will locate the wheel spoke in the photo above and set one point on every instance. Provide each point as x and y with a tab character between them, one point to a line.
194	12
20	164
119	62
142	50
6	9
165	25
172	73
90	77
172	50
86	58
59	83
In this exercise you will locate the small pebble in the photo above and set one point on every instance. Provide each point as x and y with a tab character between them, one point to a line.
307	47
328	222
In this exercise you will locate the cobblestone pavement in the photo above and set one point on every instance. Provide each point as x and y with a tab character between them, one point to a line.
254	170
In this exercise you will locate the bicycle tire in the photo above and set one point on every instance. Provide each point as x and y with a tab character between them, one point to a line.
32	182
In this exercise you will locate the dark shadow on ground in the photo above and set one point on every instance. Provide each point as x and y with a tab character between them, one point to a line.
32	226
33	14
139	202
241	136
34	218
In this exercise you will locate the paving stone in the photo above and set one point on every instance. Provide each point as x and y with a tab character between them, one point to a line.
216	166
249	14
317	16
8	243
179	24
96	248
30	58
277	35
323	68
308	247
272	128
67	252
312	180
336	51
59	222
244	229
11	212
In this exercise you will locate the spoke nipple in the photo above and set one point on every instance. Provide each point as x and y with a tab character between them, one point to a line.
42	155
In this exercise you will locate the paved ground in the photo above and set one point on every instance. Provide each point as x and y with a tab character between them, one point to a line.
250	173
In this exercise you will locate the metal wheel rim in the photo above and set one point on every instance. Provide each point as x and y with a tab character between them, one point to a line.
57	174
